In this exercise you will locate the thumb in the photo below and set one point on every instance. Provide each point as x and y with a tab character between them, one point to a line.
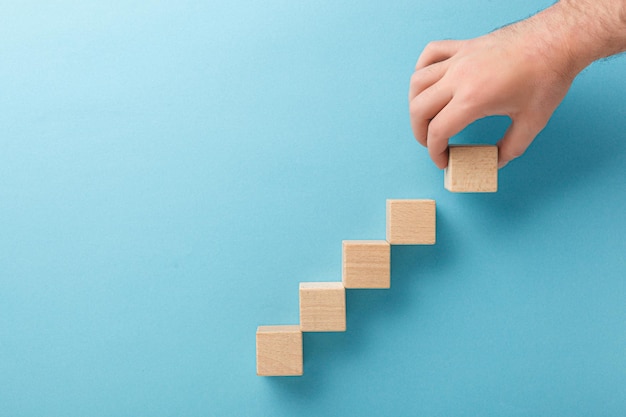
515	141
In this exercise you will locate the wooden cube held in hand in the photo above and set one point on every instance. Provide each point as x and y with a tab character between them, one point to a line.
472	169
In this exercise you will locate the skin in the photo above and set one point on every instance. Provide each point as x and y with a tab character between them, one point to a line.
522	71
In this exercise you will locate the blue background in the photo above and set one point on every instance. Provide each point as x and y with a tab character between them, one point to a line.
170	171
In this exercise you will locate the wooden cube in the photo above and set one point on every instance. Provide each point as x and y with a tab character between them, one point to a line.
322	307
279	351
411	222
366	264
472	169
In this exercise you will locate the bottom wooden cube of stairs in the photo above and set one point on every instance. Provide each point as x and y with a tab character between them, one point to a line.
279	351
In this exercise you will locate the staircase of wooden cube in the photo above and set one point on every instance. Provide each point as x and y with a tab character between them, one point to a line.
366	264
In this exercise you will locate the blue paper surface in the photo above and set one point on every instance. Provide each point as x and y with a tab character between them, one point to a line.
171	170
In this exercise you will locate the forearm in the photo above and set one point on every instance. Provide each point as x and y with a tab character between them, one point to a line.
582	31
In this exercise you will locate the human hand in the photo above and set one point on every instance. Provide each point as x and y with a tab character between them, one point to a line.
515	71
